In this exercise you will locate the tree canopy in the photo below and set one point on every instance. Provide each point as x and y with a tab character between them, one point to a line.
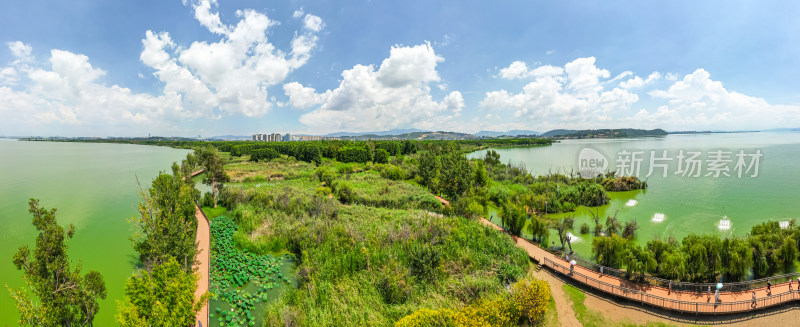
65	296
162	297
166	224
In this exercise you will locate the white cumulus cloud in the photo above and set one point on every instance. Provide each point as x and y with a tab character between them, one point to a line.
698	102
232	75
571	95
396	94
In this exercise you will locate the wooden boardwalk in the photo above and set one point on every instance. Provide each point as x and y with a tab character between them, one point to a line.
681	301
203	239
204	261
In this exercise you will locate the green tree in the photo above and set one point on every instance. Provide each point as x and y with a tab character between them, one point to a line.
456	174
540	231
429	172
65	297
609	250
409	147
381	156
166	224
737	258
562	226
481	176
492	158
162	297
214	167
629	231
638	260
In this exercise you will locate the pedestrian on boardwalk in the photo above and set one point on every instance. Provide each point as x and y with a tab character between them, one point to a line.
601	271
670	288
709	292
716	295
769	287
754	299
790	284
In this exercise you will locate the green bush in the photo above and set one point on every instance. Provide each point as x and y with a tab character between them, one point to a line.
325	175
323	190
208	200
507	273
344	191
392	284
585	228
393	172
424	261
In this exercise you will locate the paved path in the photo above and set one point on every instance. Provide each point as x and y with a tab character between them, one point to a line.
203	239
690	302
204	261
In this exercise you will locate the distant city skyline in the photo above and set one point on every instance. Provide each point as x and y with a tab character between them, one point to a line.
208	67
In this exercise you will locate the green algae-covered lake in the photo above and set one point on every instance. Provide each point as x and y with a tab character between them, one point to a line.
689	204
94	187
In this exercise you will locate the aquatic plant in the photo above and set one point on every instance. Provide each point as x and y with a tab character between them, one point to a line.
232	269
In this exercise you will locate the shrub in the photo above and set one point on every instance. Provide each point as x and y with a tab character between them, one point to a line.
392	284
427	318
393	172
325	175
424	261
322	191
585	228
208	200
344	192
508	273
529	298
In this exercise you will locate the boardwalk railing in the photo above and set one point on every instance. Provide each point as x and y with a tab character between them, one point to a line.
686	286
672	304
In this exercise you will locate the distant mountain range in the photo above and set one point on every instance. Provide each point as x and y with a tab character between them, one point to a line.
418	134
383	133
603	133
515	132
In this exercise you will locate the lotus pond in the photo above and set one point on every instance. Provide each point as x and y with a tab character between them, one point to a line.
243	282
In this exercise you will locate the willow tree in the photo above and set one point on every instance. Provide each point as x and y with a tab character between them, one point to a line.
62	296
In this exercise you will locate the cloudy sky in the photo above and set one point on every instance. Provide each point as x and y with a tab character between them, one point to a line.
213	67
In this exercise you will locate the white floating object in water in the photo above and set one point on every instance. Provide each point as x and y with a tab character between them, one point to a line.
631	203
784	224
658	217
724	224
573	238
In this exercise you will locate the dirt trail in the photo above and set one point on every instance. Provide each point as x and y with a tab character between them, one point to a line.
566	316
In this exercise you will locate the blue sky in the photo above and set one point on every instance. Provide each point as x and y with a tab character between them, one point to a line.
128	68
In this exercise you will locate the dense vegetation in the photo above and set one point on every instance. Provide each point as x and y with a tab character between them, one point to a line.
767	250
161	293
370	263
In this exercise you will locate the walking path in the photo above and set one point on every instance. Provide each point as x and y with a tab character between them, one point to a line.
688	302
203	240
